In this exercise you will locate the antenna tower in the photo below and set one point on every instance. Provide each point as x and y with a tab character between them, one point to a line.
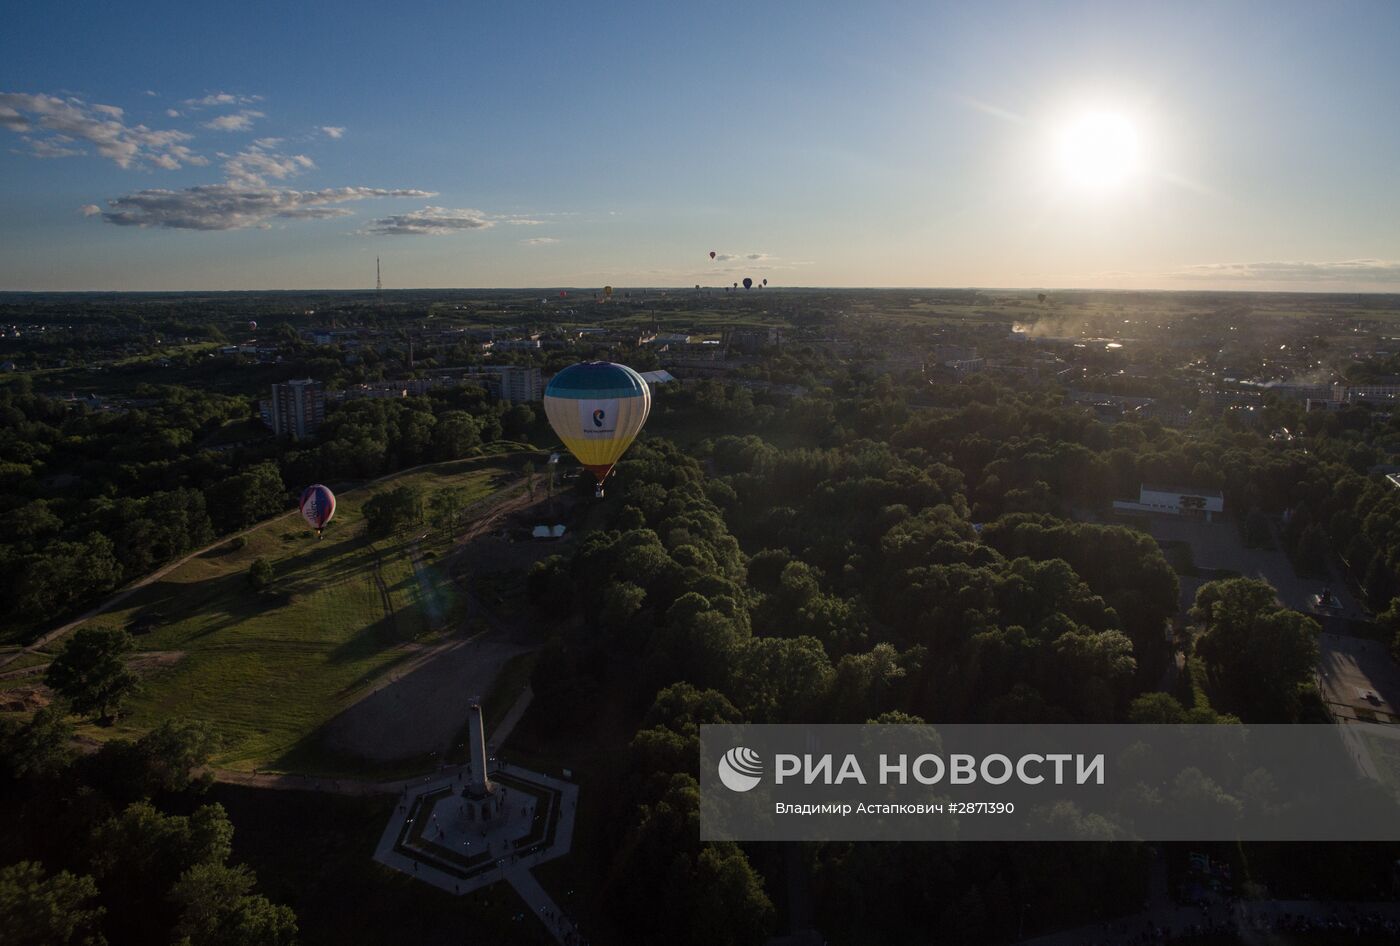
378	283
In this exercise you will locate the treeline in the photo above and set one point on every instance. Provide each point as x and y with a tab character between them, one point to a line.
683	627
117	846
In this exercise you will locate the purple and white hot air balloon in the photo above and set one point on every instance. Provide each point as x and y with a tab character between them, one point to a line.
317	507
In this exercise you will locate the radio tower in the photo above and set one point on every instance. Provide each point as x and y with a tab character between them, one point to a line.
378	283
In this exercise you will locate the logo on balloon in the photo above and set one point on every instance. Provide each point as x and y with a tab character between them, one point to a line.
598	416
740	769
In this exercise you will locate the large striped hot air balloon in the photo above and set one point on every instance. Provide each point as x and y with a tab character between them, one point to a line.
317	507
597	408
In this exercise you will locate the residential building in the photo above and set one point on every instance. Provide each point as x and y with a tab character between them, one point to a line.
297	408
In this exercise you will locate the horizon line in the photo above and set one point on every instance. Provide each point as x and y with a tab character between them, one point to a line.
646	288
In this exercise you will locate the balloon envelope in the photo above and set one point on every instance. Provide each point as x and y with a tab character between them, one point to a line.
597	408
712	254
748	283
765	282
607	290
252	326
317	506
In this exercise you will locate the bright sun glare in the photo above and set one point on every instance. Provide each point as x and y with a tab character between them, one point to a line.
1099	150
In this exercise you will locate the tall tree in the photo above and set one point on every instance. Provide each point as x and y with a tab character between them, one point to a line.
36	910
38	748
90	673
1259	653
394	510
218	908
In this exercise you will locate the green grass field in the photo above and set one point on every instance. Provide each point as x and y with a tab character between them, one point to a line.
268	669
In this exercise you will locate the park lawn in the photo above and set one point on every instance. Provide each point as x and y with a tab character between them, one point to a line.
165	351
269	669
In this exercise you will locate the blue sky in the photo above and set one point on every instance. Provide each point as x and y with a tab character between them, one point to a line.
196	146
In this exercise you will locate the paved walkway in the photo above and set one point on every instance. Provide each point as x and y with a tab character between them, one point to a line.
541	905
509	866
517	710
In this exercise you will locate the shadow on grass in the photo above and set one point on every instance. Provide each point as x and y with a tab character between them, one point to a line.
370	640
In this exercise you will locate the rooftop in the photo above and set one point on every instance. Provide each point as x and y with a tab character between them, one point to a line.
1183	490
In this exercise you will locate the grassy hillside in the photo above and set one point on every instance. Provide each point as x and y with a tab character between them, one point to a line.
270	668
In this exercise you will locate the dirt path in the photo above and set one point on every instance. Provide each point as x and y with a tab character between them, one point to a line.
39	643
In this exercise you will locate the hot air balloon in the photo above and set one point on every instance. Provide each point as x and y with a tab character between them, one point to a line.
563	294
748	283
1040	297
765	282
252	326
317	507
736	285
607	291
712	254
597	408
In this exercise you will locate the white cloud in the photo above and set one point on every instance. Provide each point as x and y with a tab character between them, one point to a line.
253	167
751	257
222	98
266	143
519	220
172	113
12	119
1361	270
431	221
55	146
150	93
90	210
241	120
72	121
333	131
539	241
233	207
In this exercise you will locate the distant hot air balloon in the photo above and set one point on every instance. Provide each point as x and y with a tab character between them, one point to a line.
765	282
607	291
697	286
252	326
748	283
317	507
712	254
563	294
597	408
736	285
1040	297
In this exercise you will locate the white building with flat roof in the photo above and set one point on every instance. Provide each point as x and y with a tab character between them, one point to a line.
1174	501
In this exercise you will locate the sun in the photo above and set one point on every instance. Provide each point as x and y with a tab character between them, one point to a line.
1098	151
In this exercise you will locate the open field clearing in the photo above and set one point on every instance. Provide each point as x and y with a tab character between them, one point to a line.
270	669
